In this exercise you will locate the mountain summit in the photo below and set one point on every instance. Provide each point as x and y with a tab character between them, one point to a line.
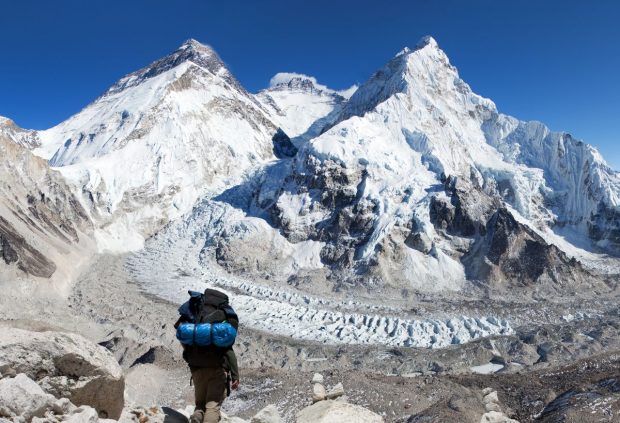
190	51
159	139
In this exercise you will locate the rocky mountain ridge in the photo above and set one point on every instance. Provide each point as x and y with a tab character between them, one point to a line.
362	176
43	226
375	192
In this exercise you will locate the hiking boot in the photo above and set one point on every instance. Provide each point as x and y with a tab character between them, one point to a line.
197	417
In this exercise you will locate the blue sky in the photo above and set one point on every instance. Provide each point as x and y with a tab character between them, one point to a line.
553	61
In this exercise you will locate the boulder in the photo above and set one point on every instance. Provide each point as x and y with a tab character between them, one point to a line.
317	378
21	396
268	414
67	365
496	417
231	419
491	397
336	391
337	412
63	406
318	392
83	415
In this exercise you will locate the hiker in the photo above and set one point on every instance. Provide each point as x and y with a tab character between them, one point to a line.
207	330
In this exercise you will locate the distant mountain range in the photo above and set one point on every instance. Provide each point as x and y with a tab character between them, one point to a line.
409	182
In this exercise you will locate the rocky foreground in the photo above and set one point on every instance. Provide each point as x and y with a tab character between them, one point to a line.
51	377
54	376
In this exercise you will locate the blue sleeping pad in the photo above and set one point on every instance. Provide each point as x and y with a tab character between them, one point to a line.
204	334
223	334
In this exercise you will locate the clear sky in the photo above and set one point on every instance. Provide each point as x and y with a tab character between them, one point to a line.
557	61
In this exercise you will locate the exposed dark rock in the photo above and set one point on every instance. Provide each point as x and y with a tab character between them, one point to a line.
466	209
514	253
42	212
605	226
15	249
420	242
282	145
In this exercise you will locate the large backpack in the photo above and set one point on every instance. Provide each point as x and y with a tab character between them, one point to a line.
208	309
215	308
211	307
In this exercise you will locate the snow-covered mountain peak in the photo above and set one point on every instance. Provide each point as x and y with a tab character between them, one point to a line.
424	75
298	102
194	44
25	137
191	51
159	139
426	41
297	82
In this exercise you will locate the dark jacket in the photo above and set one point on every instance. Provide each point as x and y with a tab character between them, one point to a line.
210	357
231	364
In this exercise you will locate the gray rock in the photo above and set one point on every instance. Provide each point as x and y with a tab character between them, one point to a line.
83	415
336	411
317	378
8	372
487	391
68	365
231	419
420	242
336	391
491	406
63	406
496	417
21	396
491	397
318	392
268	414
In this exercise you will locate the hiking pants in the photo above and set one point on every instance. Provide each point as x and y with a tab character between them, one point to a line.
210	391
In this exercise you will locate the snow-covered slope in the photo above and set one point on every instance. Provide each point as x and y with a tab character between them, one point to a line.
301	105
161	137
580	190
25	137
417	182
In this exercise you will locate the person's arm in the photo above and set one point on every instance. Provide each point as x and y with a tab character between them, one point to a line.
233	368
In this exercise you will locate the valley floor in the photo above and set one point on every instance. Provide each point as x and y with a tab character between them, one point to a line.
567	370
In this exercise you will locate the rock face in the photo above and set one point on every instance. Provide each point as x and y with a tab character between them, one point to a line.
15	249
498	248
66	365
337	412
27	138
417	178
42	224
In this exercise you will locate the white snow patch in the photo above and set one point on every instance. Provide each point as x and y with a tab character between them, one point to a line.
487	369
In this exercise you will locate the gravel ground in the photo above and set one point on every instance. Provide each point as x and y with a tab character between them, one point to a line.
564	372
